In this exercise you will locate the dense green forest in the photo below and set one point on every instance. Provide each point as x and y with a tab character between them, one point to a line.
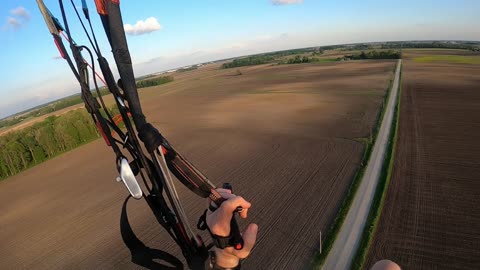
33	145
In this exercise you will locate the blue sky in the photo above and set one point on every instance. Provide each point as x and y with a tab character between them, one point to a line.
186	32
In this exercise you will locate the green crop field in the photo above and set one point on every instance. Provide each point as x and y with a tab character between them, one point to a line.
453	59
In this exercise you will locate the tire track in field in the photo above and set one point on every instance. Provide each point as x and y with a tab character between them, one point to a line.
289	254
295	194
295	219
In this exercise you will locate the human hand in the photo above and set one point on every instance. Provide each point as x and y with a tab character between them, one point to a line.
219	224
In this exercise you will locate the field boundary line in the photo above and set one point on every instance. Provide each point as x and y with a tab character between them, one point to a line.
348	238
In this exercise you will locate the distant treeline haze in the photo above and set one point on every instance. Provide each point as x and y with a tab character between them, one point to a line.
308	56
74	100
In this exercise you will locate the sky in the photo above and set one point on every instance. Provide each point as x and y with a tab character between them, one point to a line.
168	34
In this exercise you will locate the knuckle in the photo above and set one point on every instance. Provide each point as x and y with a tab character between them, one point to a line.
216	229
244	254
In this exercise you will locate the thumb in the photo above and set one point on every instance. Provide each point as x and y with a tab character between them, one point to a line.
249	238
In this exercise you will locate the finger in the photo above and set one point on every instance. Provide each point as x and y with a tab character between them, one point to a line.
243	213
223	190
228	207
249	238
224	195
233	203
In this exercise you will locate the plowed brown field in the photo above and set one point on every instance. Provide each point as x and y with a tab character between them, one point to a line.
281	134
431	215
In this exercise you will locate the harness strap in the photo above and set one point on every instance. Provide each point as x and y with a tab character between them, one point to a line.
141	254
219	241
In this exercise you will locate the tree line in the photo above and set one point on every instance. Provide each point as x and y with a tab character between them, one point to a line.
185	69
249	61
465	45
390	54
32	145
154	81
293	52
266	58
299	60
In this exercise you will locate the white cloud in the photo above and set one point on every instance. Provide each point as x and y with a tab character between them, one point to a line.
286	2
142	27
21	12
20	17
13	23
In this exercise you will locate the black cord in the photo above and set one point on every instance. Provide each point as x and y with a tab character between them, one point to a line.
125	143
135	151
96	84
174	228
84	28
64	17
90	102
94	37
145	182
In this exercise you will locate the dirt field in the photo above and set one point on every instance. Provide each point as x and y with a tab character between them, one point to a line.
431	216
281	134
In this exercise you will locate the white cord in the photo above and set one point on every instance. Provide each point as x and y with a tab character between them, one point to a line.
173	191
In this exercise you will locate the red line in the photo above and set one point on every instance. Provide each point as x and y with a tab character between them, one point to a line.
185	175
98	76
191	169
182	230
88	64
58	47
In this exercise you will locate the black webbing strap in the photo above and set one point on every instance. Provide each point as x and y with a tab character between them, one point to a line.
150	136
121	54
141	254
219	241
